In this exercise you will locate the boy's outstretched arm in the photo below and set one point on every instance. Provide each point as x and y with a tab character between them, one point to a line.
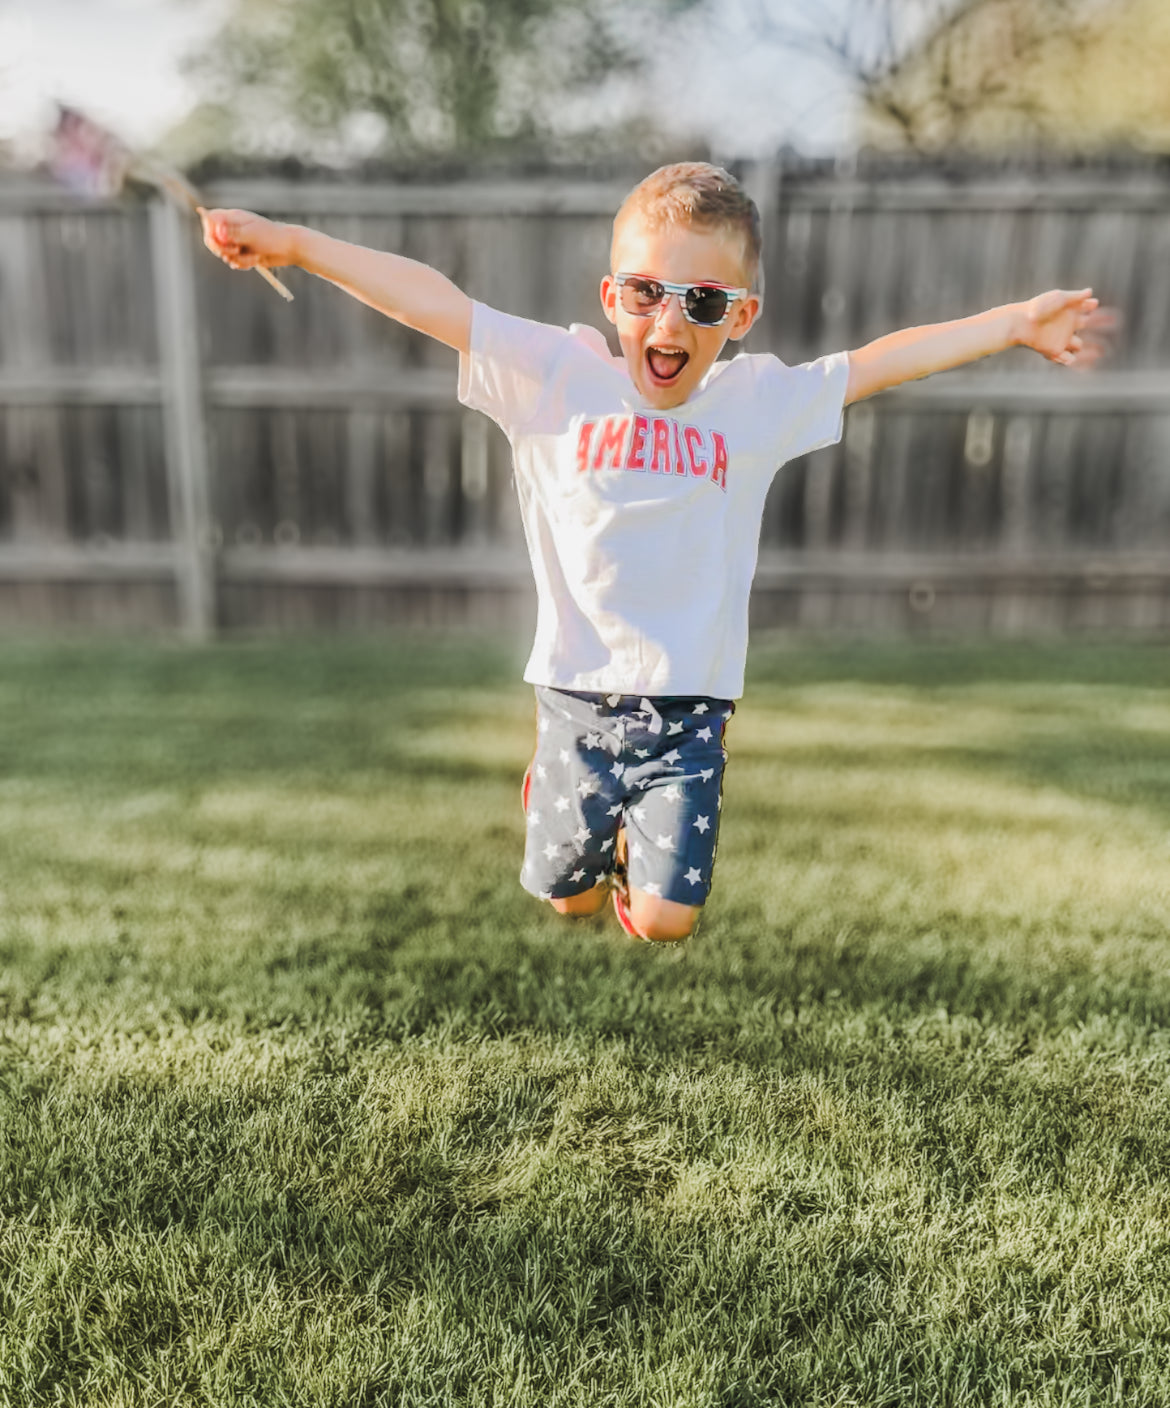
1061	325
403	289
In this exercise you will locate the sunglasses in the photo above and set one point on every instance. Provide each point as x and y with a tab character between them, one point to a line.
705	304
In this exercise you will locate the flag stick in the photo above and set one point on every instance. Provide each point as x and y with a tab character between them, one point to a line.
184	193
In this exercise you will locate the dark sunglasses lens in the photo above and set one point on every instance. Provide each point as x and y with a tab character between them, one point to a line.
641	295
707	305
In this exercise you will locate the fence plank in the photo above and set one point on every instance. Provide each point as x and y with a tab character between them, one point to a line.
187	462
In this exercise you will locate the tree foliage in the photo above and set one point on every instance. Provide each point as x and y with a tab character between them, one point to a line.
934	74
421	77
1072	75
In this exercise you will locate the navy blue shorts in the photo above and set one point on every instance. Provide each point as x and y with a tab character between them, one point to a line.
604	761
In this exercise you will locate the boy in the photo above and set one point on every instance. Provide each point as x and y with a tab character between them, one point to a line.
642	482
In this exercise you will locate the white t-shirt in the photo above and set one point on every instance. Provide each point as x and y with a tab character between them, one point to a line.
643	526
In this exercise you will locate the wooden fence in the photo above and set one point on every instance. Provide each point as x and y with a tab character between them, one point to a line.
180	447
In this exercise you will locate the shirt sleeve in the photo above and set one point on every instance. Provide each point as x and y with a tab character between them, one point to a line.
508	365
809	401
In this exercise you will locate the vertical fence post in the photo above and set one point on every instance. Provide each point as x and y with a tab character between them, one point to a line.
183	415
762	180
39	498
835	321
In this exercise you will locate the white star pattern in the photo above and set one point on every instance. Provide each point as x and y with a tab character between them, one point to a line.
612	737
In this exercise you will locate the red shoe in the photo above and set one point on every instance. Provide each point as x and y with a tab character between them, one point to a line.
526	788
621	890
623	914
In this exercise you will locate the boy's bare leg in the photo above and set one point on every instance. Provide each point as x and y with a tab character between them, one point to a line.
582	906
650	916
661	920
656	919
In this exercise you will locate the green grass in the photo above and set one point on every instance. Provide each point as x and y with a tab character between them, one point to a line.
304	1102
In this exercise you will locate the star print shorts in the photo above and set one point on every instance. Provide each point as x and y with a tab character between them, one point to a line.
604	761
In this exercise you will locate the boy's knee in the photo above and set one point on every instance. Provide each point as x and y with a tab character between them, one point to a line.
662	921
583	905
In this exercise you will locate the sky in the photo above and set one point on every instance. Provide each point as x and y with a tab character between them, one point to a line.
119	60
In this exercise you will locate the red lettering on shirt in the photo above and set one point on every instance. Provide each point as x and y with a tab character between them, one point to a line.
694	442
719	470
583	438
680	461
610	441
635	459
660	454
656	443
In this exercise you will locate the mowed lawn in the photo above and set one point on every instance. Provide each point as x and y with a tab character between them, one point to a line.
304	1102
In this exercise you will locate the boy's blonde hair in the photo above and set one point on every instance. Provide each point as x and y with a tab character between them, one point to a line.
700	196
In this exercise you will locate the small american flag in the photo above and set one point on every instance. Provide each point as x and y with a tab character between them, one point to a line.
85	157
93	163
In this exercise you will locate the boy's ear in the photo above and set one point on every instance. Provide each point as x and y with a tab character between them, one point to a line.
609	292
744	316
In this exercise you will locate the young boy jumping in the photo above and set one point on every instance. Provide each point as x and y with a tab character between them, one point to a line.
642	482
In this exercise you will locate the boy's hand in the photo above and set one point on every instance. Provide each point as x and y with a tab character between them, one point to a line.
243	240
1065	326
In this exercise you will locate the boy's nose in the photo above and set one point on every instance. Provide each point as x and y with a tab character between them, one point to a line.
669	313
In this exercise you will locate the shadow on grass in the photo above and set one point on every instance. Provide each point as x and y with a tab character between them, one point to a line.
407	970
931	665
97	715
1123	770
1100	758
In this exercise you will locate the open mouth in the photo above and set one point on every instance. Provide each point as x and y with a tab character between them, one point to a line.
666	364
